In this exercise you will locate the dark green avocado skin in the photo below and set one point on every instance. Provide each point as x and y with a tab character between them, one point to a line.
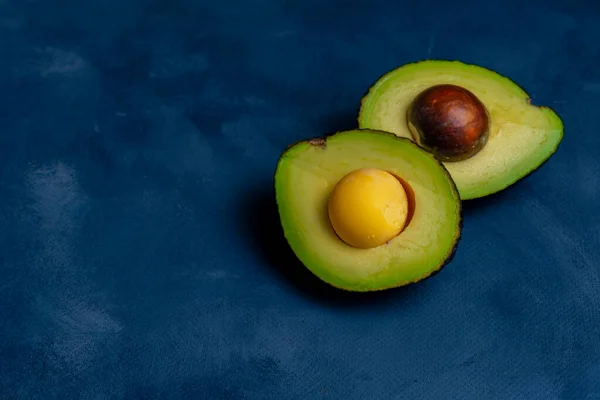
141	254
321	142
508	183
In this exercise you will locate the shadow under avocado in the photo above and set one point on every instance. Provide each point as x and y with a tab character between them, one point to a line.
338	122
263	225
485	204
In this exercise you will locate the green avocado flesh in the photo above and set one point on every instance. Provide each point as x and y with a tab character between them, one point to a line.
521	136
308	171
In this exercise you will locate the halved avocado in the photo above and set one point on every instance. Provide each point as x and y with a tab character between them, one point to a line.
308	171
521	136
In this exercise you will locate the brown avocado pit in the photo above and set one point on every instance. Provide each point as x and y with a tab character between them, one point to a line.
521	138
449	121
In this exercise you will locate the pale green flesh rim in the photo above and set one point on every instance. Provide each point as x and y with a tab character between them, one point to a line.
306	173
522	136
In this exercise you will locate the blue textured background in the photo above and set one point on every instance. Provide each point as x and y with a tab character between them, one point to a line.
141	256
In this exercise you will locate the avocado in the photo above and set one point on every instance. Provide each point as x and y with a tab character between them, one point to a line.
366	210
480	124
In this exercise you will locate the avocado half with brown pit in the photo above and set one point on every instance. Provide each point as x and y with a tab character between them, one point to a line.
480	124
366	210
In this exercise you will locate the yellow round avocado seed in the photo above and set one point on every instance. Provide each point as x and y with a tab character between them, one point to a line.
368	207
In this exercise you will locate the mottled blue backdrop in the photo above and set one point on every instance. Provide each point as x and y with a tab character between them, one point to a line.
141	256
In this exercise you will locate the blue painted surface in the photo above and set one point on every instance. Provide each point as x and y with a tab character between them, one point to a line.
140	251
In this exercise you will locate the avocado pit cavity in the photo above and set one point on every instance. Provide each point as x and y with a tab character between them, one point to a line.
368	207
449	121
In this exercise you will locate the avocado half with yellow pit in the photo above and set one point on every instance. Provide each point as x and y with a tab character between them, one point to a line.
480	124
365	210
